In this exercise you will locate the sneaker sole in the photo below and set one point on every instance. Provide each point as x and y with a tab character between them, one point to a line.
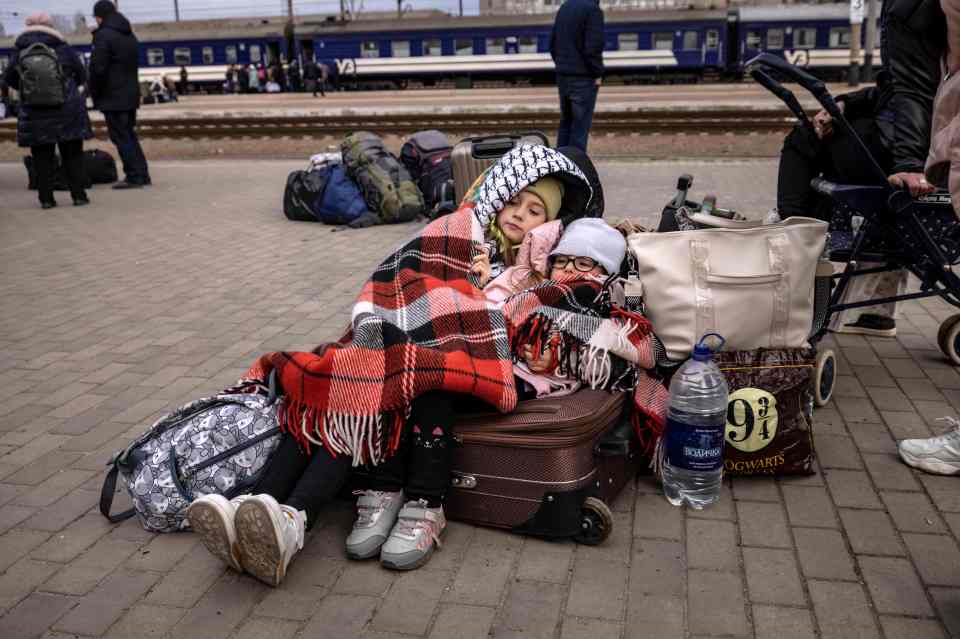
210	523
873	332
360	552
929	464
396	563
257	536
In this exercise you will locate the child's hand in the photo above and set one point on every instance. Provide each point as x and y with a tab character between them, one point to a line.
481	268
537	363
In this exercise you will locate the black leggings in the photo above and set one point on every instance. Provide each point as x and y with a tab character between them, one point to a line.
44	163
804	157
304	481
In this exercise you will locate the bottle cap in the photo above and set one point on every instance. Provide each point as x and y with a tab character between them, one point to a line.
702	351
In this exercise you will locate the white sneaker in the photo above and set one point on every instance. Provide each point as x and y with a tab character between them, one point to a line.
939	455
212	517
413	537
268	536
376	513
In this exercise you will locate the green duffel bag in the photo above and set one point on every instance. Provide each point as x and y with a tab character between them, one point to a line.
387	187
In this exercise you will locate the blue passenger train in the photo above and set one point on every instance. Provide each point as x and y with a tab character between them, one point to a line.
641	46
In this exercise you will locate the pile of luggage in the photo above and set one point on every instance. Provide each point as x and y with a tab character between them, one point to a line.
365	184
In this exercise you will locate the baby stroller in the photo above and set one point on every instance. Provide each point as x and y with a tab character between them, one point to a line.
921	235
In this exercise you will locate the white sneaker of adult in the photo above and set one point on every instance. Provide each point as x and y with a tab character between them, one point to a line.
938	455
414	537
212	517
376	513
268	536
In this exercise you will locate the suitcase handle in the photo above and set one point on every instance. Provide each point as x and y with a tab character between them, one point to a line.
493	148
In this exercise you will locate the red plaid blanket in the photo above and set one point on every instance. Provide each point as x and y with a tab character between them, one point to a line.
420	325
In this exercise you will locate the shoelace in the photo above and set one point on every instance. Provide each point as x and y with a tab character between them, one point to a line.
365	513
408	526
950	435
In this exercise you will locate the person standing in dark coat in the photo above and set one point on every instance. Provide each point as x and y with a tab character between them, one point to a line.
296	83
115	87
184	81
311	74
42	128
576	46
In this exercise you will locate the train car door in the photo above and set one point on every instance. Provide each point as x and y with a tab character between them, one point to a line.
273	53
732	38
306	50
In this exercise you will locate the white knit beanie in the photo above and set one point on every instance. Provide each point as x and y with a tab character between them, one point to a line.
592	237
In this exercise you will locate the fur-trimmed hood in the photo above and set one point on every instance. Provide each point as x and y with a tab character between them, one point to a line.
47	35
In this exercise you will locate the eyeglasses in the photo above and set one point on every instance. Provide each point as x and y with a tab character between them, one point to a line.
582	264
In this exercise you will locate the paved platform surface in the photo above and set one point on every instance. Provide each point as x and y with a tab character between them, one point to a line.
114	313
743	95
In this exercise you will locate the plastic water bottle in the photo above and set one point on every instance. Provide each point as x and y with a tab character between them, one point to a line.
696	426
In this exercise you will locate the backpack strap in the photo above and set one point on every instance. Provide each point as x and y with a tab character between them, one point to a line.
108	491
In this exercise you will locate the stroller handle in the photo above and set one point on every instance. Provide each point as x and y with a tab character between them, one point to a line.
819	91
823	187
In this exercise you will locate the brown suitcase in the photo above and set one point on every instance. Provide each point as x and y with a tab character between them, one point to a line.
548	469
471	156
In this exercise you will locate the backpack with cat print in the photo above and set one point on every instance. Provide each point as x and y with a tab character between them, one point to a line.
216	445
42	83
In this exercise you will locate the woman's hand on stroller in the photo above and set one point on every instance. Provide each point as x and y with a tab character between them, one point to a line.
916	183
823	122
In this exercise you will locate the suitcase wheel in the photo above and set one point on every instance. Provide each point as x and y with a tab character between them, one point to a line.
596	522
825	378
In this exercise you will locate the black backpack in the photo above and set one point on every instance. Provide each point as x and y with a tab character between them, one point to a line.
100	166
302	195
426	155
42	81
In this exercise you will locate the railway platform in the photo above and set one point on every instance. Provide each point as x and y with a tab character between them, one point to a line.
113	313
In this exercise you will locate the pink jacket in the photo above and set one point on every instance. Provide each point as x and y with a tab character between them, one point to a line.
532	257
943	162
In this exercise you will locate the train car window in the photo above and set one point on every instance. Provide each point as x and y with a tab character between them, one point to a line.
628	41
432	47
663	41
527	44
231	51
839	37
496	45
254	53
774	38
753	39
401	48
181	56
370	49
712	41
207	55
154	57
691	41
804	38
463	46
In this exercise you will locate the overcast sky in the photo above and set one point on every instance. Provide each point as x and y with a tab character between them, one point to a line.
12	12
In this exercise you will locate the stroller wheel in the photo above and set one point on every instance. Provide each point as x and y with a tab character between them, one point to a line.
948	337
825	378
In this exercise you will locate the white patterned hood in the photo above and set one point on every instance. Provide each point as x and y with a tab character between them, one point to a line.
524	165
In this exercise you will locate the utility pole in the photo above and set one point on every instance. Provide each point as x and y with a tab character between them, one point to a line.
856	23
871	42
461	8
399	9
176	10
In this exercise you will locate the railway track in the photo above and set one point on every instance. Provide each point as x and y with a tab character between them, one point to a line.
688	121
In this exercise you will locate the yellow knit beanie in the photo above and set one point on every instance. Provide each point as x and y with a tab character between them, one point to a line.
550	191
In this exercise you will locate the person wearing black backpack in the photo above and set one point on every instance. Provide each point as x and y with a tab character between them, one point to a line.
115	87
48	73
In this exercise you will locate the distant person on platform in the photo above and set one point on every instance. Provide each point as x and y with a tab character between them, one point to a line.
184	80
576	46
115	87
243	78
311	75
52	113
296	83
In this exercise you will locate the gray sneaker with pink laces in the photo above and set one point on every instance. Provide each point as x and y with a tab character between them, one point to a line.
414	536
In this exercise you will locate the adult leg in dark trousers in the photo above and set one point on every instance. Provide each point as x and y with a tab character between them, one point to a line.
304	481
804	156
122	128
44	167
71	152
578	97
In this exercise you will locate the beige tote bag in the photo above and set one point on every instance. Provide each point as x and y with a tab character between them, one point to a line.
753	286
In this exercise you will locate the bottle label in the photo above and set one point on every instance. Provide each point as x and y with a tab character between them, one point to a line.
698	448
